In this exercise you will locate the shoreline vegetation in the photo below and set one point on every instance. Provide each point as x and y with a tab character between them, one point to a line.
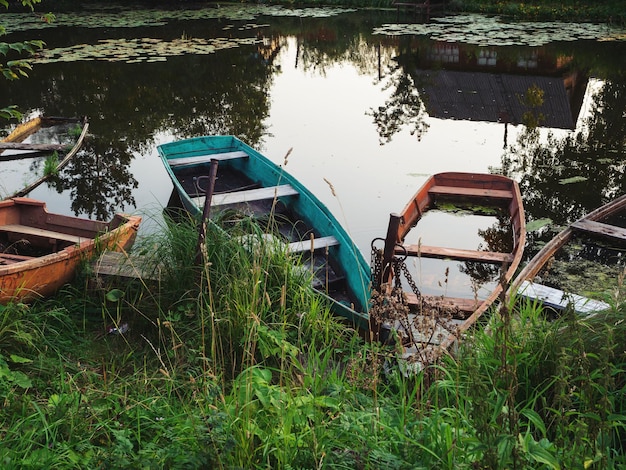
603	11
607	11
236	363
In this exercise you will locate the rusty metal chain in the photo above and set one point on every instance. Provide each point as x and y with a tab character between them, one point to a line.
399	266
409	279
376	263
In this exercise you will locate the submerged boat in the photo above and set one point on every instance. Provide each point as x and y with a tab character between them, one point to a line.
15	142
249	182
596	225
40	251
428	324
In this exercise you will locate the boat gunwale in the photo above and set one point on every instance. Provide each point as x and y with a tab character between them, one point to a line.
422	201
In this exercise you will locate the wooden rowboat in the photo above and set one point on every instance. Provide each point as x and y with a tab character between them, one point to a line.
595	225
15	141
282	206
427	323
41	250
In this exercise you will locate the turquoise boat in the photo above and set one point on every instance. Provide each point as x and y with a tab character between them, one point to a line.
249	182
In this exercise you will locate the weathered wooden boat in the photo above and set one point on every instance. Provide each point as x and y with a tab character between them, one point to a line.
15	141
41	250
281	205
593	226
428	325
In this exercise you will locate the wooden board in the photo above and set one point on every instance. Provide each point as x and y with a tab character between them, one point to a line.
312	245
238	197
455	253
174	162
598	228
6	258
39	232
114	263
35	147
471	192
560	300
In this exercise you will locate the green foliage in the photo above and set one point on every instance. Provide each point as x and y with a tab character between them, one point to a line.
613	11
26	3
236	363
51	164
18	68
10	112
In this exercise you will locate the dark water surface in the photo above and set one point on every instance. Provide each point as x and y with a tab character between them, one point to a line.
369	107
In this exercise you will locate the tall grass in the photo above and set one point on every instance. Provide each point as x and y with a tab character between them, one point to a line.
238	364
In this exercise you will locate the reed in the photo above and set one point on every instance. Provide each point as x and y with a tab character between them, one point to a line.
236	363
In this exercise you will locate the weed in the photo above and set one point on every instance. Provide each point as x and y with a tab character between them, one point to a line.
50	167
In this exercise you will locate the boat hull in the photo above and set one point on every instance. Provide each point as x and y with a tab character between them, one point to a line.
24	278
266	189
487	189
28	128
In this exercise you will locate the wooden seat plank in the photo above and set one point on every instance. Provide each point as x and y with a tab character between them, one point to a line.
305	245
39	232
7	258
599	228
471	192
174	162
250	195
440	252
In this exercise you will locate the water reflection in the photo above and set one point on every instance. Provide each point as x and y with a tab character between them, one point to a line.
494	84
421	86
565	177
101	169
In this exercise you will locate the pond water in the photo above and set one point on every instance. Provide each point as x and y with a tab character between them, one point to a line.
369	106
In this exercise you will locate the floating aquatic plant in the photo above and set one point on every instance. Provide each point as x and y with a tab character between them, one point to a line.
538	224
493	31
573	179
131	18
139	49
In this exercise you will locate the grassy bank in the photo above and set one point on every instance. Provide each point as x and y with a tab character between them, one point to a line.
238	364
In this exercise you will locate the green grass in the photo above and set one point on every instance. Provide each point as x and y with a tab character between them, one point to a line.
611	11
51	163
237	364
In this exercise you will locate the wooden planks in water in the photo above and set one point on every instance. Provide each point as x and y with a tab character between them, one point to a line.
560	300
458	191
35	147
601	229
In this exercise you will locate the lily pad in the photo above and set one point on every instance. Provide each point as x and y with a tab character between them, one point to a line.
574	179
491	30
138	49
535	225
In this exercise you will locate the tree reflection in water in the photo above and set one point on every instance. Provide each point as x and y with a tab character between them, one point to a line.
563	178
100	169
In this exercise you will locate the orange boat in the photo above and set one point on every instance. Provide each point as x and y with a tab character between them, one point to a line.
40	251
429	324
